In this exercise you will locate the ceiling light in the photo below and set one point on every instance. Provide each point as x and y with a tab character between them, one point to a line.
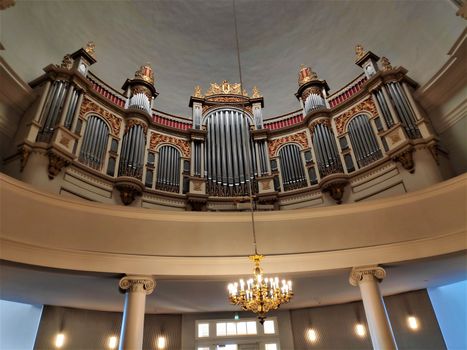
360	330
161	342
311	335
412	322
112	342
59	340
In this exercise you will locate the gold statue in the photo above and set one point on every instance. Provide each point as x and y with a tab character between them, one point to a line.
91	49
225	88
359	52
66	62
197	92
255	92
386	64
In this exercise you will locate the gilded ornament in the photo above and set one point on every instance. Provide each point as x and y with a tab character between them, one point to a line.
145	73
225	88
91	49
386	64
299	138
306	75
367	105
66	62
197	92
320	121
255	92
133	122
90	106
359	52
157	138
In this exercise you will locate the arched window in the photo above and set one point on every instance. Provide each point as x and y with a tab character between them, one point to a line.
168	169
293	173
94	143
363	140
230	155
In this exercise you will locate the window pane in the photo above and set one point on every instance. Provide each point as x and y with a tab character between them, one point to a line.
227	347
251	327
203	348
271	347
221	329
231	328
241	328
269	327
203	330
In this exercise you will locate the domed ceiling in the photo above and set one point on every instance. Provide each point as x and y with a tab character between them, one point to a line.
193	42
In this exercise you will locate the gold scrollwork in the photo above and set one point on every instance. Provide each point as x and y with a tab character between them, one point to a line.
367	105
299	138
157	138
90	106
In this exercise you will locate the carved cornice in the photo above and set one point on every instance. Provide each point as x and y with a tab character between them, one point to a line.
132	122
90	106
367	105
144	284
366	273
299	138
157	138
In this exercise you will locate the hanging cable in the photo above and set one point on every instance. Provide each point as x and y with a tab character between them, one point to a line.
250	178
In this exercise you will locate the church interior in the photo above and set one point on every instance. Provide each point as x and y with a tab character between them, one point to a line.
233	175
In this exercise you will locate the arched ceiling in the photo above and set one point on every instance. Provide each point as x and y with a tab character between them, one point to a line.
192	42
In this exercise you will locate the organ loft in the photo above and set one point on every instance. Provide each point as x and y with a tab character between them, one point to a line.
86	139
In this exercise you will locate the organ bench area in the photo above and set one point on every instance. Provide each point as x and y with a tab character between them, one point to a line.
83	139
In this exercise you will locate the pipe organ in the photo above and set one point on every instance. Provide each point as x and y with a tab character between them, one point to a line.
210	161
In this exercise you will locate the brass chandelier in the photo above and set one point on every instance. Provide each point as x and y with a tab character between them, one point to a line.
258	294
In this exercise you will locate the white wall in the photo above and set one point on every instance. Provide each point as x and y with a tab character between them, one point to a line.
18	325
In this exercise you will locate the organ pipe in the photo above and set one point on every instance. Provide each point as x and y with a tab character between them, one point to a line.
326	150
131	159
292	170
52	110
168	174
94	144
365	146
404	110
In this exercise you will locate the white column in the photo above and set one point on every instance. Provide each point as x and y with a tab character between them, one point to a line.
367	278
136	287
43	97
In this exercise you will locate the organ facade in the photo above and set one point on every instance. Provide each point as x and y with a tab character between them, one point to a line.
82	138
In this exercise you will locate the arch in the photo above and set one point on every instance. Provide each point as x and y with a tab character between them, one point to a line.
95	141
249	115
168	168
98	115
286	144
292	167
363	140
366	113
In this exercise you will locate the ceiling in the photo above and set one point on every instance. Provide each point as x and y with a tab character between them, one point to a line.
37	285
193	42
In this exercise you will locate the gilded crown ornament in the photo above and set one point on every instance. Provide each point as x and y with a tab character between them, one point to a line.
225	88
260	294
306	75
386	64
255	92
91	49
66	62
197	92
145	73
359	52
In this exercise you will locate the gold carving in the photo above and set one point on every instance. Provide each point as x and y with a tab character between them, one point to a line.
320	121
255	92
299	138
225	88
197	92
132	122
141	90
198	185
359	52
145	73
367	105
91	49
306	75
65	141
386	64
311	90
157	138
66	62
112	119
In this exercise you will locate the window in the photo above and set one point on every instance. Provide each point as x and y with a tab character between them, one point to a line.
203	348
251	327
269	327
221	329
272	346
236	328
203	330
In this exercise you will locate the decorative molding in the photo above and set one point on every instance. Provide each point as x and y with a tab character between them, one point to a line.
157	138
365	273
128	193
367	105
336	190
320	121
56	164
132	122
136	284
406	160
299	138
88	106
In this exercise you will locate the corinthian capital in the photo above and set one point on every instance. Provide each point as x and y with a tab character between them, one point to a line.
363	273
137	283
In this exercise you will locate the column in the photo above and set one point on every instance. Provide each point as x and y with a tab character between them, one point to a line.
77	110
414	104
136	287
66	105
367	279
40	106
393	112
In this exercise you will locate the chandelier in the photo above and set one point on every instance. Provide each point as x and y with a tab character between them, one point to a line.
259	294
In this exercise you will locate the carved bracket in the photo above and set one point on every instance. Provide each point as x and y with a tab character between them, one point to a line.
406	160
128	193
56	164
336	190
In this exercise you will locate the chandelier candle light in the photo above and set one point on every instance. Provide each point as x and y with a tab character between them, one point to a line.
260	294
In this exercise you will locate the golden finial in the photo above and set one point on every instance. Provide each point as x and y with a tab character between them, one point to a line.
255	92
359	52
386	64
66	62
198	92
145	73
306	75
91	49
